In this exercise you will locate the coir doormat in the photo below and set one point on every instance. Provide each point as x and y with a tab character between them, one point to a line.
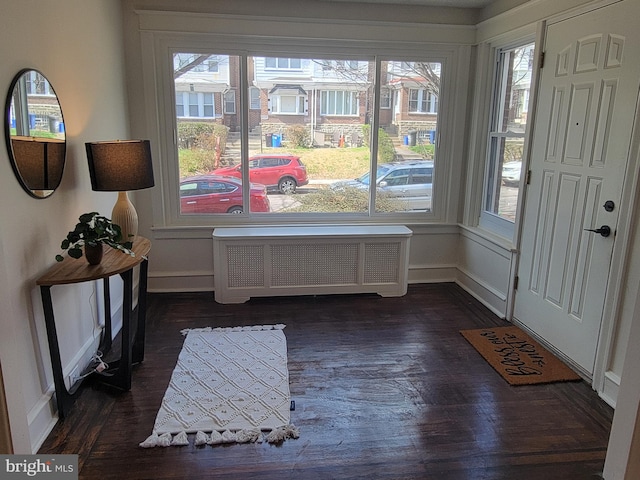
518	357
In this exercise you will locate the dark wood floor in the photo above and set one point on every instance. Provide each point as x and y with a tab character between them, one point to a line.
384	388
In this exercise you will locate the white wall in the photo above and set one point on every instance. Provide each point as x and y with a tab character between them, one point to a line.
78	46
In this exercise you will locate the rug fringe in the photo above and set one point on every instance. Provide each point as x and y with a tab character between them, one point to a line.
254	435
252	328
280	434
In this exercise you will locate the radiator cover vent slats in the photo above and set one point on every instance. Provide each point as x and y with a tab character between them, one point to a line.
381	263
245	265
314	264
272	261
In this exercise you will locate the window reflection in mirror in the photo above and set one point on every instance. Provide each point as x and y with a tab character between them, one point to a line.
35	133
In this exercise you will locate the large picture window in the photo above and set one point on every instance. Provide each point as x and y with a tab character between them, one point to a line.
195	105
338	103
505	146
287	104
310	146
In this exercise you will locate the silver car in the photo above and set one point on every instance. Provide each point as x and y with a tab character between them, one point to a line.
410	181
511	173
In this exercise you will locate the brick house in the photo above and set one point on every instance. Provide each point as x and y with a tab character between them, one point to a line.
331	97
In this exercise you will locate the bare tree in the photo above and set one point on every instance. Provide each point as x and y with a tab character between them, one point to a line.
347	70
423	74
182	69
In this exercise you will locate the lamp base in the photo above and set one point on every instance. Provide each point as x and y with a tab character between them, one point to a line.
124	214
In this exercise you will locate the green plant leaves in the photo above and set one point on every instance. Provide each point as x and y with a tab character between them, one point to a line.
93	229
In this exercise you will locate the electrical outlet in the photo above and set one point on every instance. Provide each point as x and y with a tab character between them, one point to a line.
73	376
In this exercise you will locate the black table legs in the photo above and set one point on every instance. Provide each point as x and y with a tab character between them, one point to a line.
132	337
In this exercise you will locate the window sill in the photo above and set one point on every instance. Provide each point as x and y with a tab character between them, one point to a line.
205	231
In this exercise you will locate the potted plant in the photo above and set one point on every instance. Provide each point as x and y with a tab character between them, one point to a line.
92	232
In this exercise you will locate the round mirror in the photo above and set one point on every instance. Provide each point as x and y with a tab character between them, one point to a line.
34	132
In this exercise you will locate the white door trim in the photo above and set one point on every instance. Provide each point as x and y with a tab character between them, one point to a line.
618	274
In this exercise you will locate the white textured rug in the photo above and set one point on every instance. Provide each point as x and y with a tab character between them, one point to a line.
229	385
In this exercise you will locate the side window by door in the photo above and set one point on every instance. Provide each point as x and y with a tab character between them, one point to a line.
506	139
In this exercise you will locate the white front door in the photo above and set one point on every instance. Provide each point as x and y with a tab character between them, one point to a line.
582	132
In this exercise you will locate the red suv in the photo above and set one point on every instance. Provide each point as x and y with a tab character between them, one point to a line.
278	172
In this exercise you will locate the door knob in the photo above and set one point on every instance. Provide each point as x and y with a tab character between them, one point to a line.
604	230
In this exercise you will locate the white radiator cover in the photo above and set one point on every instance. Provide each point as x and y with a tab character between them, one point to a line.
309	260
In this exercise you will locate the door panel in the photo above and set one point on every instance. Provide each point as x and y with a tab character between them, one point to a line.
582	134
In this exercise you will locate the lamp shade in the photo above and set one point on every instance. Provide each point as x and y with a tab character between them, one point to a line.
40	161
120	166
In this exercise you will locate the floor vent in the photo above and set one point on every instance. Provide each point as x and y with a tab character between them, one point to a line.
275	261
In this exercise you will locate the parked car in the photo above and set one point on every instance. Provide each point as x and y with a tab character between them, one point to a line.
283	173
410	181
511	173
216	194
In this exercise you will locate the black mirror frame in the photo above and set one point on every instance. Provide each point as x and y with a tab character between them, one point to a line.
8	136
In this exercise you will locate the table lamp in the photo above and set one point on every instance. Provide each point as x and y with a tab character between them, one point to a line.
120	166
39	160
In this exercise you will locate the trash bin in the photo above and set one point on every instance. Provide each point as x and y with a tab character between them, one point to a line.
268	139
406	140
276	140
412	134
53	124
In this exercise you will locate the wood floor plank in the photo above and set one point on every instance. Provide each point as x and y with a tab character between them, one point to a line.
384	388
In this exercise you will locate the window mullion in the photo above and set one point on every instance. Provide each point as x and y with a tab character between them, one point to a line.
243	111
375	121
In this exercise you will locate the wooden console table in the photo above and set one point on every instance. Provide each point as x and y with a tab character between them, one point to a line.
72	270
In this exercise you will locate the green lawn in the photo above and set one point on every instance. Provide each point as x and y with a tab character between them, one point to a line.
426	150
334	163
321	163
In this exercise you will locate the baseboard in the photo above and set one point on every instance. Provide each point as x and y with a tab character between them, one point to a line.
610	388
432	273
41	419
180	282
490	297
43	416
202	281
